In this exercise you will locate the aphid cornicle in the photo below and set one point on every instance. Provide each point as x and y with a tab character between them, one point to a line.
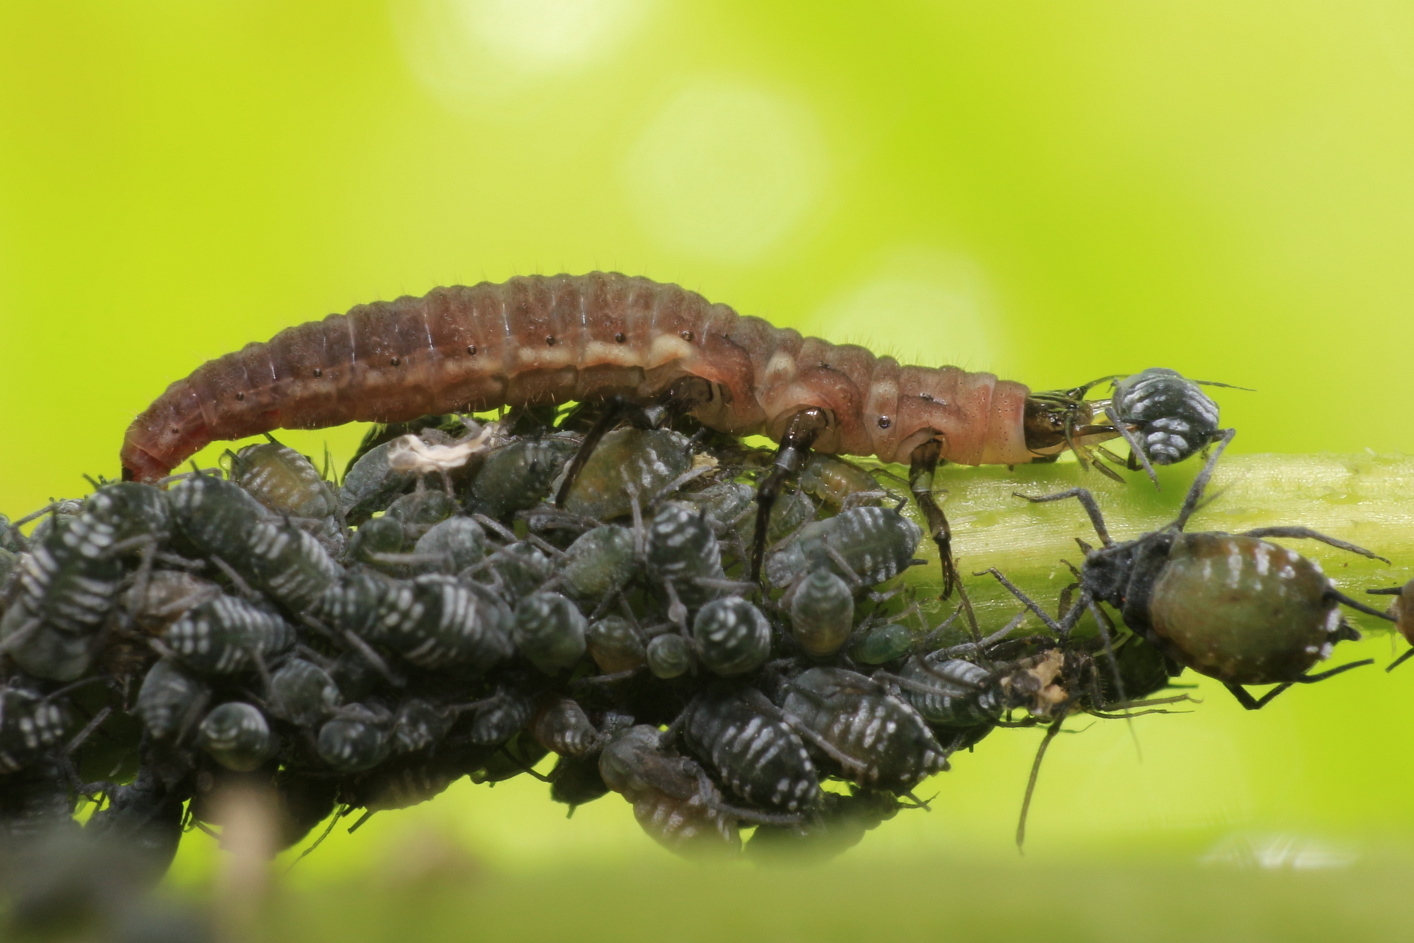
741	734
1230	606
876	739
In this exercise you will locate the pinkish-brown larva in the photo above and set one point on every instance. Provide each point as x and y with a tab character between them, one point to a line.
551	339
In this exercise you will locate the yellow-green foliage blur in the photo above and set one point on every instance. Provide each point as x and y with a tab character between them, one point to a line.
1050	191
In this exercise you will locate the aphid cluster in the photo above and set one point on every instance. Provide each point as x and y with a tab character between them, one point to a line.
715	632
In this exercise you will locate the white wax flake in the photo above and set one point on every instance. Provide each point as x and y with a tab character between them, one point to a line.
410	453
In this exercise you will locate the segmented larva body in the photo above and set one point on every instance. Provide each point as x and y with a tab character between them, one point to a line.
539	339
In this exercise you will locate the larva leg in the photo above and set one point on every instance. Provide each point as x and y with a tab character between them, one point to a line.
801	432
921	464
682	397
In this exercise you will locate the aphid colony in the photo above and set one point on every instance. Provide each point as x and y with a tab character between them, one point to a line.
358	648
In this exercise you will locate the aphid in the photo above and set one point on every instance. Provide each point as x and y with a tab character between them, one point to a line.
840	484
1230	606
673	800
228	635
575	780
549	631
419	511
755	753
145	817
359	738
302	801
1403	614
683	555
237	736
458	542
601	561
500	717
865	546
302	693
518	570
170	700
518	475
821	612
165	596
561	726
30	725
376	542
951	692
216	516
669	656
876	739
371	484
1164	416
838	824
882	644
628	464
616	645
733	637
516	757
284	481
288	564
419	723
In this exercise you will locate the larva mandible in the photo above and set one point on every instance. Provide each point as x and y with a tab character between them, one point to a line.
551	339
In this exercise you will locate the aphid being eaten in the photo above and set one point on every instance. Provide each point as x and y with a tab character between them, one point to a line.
1230	606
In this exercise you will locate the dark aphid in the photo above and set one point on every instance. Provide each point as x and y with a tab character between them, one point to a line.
1164	416
616	645
302	801
882	644
400	784
561	726
727	506
838	824
865	546
733	637
821	612
500	717
420	511
284	481
359	738
145	816
457	543
30	726
518	570
600	561
683	555
952	692
518	476
419	724
228	635
876	739
669	656
627	464
161	599
288	564
452	625
302	693
170	700
216	516
35	803
237	736
673	800
1230	606
549	631
376	540
516	757
371	484
575	781
755	753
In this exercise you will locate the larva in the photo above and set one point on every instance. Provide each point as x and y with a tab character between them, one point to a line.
537	339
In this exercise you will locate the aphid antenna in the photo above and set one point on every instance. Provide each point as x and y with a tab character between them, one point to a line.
333	820
1061	628
917	803
1200	483
1087	501
236	579
672	487
21	635
87	730
36	515
1051	732
505	532
980	646
1400	660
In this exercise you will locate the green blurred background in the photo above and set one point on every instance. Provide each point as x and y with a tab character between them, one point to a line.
1054	192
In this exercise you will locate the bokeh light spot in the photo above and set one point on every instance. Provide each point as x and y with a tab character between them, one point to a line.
725	171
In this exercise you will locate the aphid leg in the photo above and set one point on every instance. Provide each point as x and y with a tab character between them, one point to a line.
922	463
1136	448
1051	733
1061	628
801	432
1253	704
1400	660
1200	484
1306	533
1087	501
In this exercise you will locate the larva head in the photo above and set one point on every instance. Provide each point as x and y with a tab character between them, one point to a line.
167	433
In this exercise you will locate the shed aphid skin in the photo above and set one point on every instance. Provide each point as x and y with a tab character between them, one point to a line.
605	336
1230	606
